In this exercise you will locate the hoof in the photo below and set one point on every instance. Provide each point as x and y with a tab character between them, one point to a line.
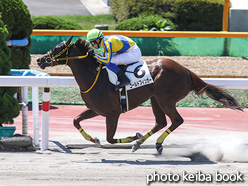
139	136
96	141
159	148
136	146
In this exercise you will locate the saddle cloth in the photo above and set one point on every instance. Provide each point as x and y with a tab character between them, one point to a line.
138	73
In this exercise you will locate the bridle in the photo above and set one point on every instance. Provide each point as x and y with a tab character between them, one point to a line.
55	58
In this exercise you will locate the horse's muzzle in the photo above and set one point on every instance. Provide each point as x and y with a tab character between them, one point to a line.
43	62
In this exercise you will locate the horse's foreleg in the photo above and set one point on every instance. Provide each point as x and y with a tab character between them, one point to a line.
160	123
86	114
111	123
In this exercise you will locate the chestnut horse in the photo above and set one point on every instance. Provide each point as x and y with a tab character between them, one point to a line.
172	82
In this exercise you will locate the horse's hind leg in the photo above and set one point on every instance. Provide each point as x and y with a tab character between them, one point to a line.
160	123
171	111
111	125
86	114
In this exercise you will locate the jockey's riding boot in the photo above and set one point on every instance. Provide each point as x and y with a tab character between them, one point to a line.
123	80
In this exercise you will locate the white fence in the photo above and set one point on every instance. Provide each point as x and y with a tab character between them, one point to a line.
54	81
48	81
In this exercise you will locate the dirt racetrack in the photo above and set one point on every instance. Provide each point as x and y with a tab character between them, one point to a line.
203	66
205	157
213	152
206	145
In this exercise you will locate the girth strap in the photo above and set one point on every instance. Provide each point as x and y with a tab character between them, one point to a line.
124	100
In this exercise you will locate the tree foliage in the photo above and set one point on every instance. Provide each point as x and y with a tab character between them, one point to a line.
187	15
52	22
16	17
9	107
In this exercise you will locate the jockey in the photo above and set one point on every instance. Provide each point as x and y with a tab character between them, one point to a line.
118	50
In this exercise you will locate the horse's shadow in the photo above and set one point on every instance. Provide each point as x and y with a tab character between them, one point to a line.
154	162
61	146
194	158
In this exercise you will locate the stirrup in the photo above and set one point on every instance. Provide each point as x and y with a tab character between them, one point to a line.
117	87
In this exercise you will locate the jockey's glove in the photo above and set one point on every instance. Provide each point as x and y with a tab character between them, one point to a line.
91	52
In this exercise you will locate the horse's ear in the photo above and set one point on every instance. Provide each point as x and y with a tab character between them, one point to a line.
69	41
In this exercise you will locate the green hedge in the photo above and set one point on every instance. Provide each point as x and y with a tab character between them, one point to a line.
16	17
5	64
52	22
187	15
9	107
139	22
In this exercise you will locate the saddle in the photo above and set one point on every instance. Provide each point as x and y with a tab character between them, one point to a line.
139	75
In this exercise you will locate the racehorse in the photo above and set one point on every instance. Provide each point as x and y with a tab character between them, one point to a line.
172	82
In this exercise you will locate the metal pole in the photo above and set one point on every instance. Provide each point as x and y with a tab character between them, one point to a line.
24	96
225	16
35	109
45	118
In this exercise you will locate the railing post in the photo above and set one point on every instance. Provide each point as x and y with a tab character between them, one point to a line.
225	16
45	118
35	109
24	100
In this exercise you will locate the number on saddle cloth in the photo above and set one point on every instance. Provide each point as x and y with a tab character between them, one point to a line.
138	73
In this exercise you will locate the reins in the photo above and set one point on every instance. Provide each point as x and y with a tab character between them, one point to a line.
97	76
55	58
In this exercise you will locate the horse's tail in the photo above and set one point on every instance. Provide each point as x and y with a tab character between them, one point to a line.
215	93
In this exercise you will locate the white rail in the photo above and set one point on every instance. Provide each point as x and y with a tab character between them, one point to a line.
228	83
58	81
30	81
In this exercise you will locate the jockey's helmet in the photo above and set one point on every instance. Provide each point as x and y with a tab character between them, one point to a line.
94	34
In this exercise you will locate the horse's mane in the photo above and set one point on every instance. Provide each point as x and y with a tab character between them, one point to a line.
82	45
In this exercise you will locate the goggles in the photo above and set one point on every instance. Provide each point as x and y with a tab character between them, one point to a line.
93	42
